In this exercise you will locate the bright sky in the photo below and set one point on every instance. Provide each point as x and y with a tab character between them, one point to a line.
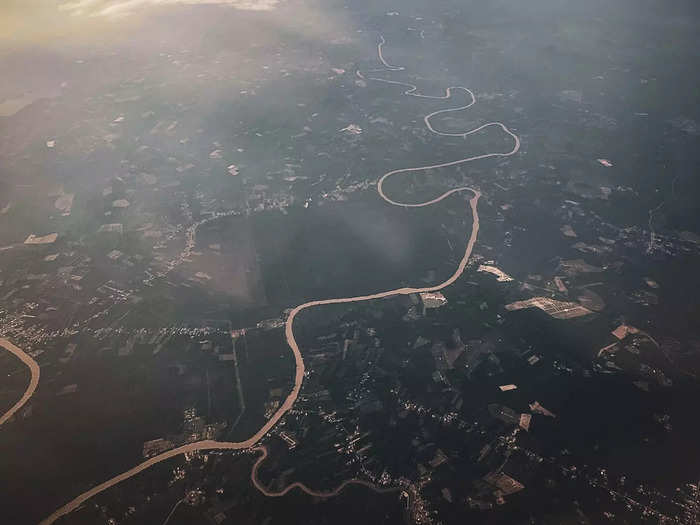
39	21
126	7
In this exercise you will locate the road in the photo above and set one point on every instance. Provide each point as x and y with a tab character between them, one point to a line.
33	382
289	331
170	514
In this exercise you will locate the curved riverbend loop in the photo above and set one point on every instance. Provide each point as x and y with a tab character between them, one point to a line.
33	382
289	331
380	54
307	490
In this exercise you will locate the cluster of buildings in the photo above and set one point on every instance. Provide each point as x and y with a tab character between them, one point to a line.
194	428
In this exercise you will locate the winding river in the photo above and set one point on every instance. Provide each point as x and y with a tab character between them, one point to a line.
33	382
252	442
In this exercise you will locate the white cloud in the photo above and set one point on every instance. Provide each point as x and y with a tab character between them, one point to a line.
126	7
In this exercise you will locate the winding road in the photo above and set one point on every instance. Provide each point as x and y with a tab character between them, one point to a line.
33	382
289	332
